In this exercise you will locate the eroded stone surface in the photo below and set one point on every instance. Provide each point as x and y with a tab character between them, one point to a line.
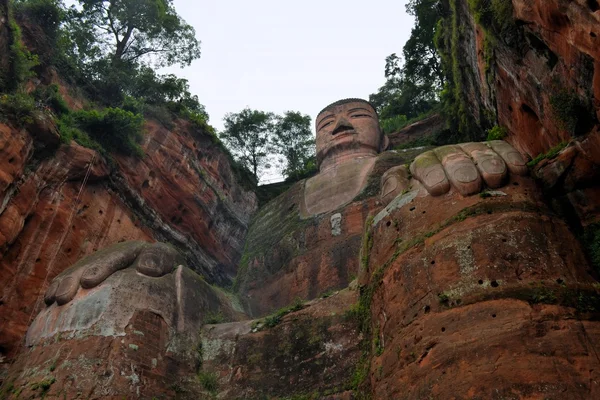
477	286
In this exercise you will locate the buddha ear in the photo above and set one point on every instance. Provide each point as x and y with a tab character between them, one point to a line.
385	143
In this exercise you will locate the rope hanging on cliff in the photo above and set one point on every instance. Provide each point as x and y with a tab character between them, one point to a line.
50	267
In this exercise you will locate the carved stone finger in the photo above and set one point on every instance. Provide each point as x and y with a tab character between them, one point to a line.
158	259
428	170
514	160
489	164
393	182
50	295
460	170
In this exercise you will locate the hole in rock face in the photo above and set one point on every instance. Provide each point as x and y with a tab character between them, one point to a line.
510	108
515	183
145	184
69	250
480	282
443	329
100	212
560	281
427	309
494	284
593	5
424	212
503	240
493	315
388	223
592	34
432	262
38	259
412	209
11	160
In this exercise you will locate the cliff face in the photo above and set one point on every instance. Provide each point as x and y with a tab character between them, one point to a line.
61	202
533	67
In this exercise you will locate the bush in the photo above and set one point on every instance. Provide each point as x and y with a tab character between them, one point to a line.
566	107
22	61
393	124
209	381
115	129
50	97
68	130
497	133
591	241
17	108
553	152
48	14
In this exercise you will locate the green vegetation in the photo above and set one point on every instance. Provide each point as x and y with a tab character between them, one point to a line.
553	152
209	381
257	138
17	107
294	143
566	107
497	133
43	385
274	319
214	318
411	87
393	124
591	241
495	16
22	61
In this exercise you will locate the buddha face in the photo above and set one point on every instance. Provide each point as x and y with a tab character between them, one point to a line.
347	130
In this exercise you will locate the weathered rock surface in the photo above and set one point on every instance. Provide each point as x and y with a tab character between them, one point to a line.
132	336
468	287
311	352
183	192
424	129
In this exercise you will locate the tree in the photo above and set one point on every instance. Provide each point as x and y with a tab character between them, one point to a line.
422	63
294	142
247	135
133	31
412	86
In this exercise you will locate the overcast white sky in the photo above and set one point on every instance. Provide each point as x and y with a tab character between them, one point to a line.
277	55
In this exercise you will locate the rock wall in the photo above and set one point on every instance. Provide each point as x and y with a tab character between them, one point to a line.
183	192
486	296
536	72
420	131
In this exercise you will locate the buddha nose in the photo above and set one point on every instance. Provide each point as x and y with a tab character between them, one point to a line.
342	125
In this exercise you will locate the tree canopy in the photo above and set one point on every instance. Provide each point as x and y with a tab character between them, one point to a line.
413	80
247	135
133	31
293	141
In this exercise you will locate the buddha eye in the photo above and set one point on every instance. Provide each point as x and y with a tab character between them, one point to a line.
360	116
326	124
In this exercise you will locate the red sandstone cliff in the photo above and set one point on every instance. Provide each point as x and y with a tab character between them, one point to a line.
183	192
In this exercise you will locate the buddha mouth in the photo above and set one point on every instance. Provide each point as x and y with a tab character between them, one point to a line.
343	133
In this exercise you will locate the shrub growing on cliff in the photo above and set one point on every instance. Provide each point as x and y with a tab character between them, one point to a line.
497	133
111	130
17	108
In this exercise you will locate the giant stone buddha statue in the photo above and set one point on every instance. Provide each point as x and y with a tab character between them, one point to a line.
349	139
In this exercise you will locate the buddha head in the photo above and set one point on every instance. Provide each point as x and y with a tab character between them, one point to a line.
348	129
